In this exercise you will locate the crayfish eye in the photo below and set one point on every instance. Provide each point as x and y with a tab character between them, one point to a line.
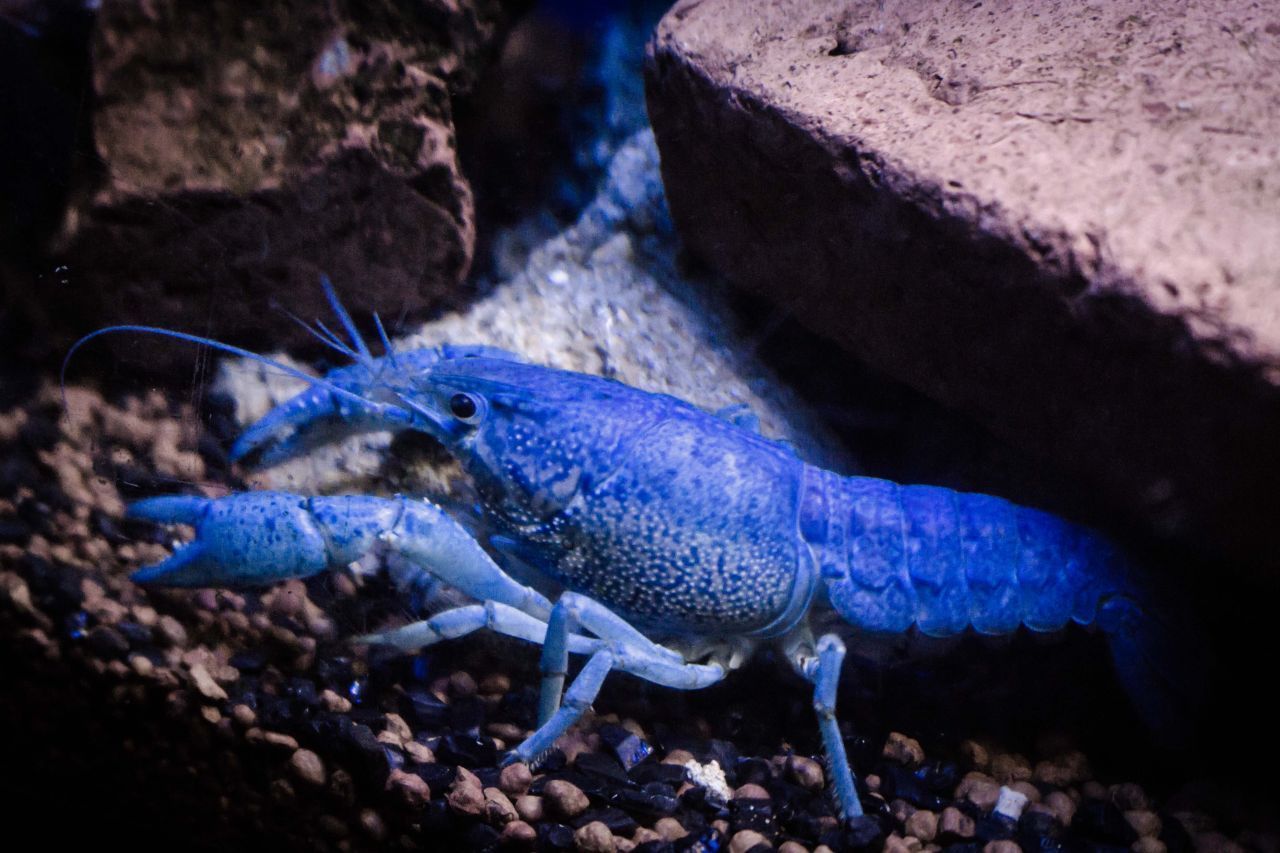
463	406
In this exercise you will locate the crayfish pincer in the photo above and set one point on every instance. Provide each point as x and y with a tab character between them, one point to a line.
676	542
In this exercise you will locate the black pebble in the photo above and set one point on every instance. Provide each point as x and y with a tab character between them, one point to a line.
754	771
629	749
1038	824
107	642
652	771
481	836
656	799
1101	820
136	634
1175	835
655	847
250	661
437	776
897	782
467	750
600	766
994	827
554	836
14	531
752	814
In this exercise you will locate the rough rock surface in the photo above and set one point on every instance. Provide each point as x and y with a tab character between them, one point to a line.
245	151
1061	222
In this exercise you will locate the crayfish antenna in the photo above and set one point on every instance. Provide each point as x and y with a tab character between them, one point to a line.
347	322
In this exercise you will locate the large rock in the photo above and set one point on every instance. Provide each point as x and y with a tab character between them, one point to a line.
1063	222
247	148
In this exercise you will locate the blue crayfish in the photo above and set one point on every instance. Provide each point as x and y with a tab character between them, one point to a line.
677	541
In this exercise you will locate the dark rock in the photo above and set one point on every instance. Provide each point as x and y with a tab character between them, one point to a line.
302	691
1038	825
554	836
602	767
618	821
753	771
107	642
655	799
481	836
333	148
706	841
751	814
467	750
437	776
899	782
994	827
249	661
136	635
1101	820
1174	835
650	771
655	847
629	749
14	531
938	776
467	712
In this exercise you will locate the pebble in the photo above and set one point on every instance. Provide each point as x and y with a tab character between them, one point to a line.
1062	806
678	756
744	839
1144	821
529	808
923	825
204	683
670	829
499	810
1002	846
805	772
1026	789
792	847
142	665
519	834
412	789
751	791
1129	796
372	824
495	683
902	749
243	715
419	753
644	835
955	822
466	797
515	778
897	844
565	798
307	767
1010	767
594	837
979	789
462	685
1147	844
334	703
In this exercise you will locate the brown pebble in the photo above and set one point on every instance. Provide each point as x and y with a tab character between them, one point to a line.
334	703
670	829
955	822
412	789
805	772
1147	844
398	727
751	791
141	665
594	837
244	715
792	847
373	825
1129	796
307	766
643	835
1144	821
333	826
529	808
518	833
1007	767
509	732
419	753
565	798
1002	846
462	685
280	740
923	825
900	810
463	776
466	799
903	749
678	756
1062	806
895	843
1093	790
494	683
499	810
515	778
744	839
979	789
205	684
1026	789
872	782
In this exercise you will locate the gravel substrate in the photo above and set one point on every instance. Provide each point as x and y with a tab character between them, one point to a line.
211	717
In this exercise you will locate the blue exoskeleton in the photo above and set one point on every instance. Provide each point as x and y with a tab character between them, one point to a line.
677	541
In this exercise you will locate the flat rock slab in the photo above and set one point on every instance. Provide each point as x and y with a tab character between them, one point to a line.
245	149
1062	220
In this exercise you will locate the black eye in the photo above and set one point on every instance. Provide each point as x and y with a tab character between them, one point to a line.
462	406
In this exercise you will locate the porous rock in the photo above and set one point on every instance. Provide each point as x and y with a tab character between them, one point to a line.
246	148
1060	223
